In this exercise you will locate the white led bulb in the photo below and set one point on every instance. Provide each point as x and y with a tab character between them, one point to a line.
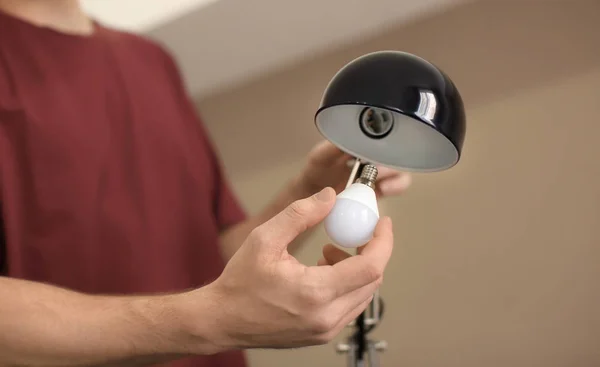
354	216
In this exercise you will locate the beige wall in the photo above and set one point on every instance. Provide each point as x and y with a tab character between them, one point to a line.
498	259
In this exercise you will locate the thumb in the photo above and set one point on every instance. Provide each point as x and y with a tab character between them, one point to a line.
296	218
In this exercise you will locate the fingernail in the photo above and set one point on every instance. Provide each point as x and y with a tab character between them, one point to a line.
324	195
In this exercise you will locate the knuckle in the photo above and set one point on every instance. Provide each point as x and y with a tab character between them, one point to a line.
297	213
323	322
379	281
297	209
373	272
324	338
259	235
316	296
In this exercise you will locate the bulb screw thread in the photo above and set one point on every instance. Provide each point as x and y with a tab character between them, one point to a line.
368	175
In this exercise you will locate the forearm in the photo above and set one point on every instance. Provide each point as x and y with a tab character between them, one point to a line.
42	325
235	236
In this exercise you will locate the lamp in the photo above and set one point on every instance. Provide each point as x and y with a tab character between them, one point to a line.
393	109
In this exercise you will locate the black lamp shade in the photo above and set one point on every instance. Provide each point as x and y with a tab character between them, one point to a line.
395	109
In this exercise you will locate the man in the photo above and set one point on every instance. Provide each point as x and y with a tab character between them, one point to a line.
122	242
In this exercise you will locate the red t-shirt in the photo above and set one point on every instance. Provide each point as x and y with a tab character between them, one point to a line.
108	180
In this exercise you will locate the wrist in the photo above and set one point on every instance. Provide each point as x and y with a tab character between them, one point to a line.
156	324
201	321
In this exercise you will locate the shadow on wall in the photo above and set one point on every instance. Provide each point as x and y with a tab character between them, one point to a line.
489	48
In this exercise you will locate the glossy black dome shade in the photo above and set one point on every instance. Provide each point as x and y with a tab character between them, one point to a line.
395	109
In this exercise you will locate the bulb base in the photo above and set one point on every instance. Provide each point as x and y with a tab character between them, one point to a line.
368	175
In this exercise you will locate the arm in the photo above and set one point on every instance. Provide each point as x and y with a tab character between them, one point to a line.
263	299
42	325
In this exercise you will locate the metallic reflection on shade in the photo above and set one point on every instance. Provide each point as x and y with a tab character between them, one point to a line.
427	106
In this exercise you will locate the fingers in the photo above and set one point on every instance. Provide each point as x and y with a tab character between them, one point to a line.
325	153
386	172
395	184
322	262
348	317
350	301
391	182
352	315
353	280
333	255
367	266
295	219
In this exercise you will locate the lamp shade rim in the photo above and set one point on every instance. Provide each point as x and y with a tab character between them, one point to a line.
413	116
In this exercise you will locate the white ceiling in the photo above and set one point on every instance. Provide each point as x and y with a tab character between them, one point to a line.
140	15
221	43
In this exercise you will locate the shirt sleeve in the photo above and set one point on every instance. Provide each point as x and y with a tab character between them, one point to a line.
227	208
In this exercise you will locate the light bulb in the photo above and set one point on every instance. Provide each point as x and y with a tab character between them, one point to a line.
354	216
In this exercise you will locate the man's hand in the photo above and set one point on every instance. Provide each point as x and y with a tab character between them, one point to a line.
267	299
327	166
